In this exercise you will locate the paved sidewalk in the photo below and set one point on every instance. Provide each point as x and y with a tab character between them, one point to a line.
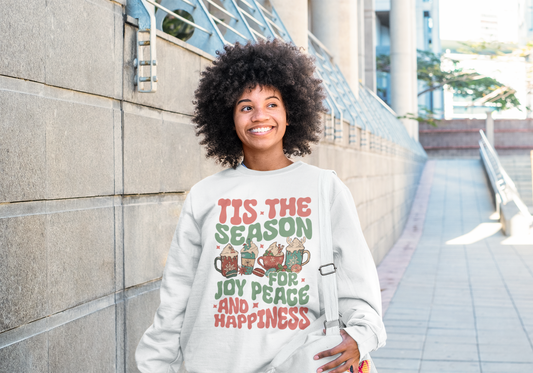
465	300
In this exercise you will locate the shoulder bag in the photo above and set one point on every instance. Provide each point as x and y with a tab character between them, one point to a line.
297	355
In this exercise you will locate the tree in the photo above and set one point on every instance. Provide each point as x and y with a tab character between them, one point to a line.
467	83
438	71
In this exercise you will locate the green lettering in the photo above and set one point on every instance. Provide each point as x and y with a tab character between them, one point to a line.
254	231
302	295
280	296
292	299
236	235
282	278
219	291
221	236
293	279
256	289
272	231
229	287
240	285
267	296
272	278
282	227
304	230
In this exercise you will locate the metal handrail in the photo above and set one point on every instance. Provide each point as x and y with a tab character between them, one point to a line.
366	111
504	185
219	21
222	9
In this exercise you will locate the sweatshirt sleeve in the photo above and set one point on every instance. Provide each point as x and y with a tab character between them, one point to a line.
159	347
357	279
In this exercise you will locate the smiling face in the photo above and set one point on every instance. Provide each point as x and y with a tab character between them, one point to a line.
260	121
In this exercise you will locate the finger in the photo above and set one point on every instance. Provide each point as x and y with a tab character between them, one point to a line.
340	348
339	365
343	368
338	362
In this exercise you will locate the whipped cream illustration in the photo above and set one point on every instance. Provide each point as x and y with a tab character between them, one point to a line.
229	251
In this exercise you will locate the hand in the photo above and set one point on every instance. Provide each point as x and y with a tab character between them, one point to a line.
349	356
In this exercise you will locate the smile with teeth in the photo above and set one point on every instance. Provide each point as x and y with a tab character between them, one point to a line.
260	130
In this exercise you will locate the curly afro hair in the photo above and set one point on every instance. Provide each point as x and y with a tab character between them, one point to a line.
273	64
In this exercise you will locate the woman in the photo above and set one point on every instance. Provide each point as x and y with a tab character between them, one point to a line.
242	276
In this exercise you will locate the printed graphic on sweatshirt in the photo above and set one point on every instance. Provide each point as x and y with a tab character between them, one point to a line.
260	255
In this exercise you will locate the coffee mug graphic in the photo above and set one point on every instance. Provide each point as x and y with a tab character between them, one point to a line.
295	253
229	262
268	262
249	252
296	257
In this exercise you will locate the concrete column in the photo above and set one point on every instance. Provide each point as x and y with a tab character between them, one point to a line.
326	15
370	44
401	59
349	53
438	95
294	15
333	24
361	38
414	80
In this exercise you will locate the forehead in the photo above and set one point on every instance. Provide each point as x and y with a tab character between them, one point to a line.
261	90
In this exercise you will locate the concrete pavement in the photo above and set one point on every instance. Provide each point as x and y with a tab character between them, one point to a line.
464	301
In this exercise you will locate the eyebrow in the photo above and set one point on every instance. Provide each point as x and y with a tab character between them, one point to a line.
248	100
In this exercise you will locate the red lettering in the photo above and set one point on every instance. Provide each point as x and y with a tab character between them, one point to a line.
303	207
233	306
249	219
241	320
272	211
271	317
231	321
243	307
305	322
284	206
223	305
251	319
261	323
219	320
236	219
223	203
293	313
282	318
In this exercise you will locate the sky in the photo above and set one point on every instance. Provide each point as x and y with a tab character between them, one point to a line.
481	20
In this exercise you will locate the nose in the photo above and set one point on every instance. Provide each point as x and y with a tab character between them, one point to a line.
260	114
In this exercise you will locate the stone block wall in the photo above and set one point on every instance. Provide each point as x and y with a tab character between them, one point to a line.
459	137
93	176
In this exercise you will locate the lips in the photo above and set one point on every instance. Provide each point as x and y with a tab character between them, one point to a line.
260	130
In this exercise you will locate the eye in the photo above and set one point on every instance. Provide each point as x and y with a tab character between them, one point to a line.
246	108
272	104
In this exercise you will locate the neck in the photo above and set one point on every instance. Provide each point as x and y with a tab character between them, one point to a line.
266	162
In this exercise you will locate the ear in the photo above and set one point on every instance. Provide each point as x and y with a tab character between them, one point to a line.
303	240
289	240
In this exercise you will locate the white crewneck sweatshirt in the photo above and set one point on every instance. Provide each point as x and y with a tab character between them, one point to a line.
242	278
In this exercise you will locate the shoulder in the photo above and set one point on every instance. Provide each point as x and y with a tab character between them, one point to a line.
218	179
335	184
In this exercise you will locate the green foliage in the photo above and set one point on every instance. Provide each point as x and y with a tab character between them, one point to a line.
178	28
424	115
383	63
482	90
487	48
439	71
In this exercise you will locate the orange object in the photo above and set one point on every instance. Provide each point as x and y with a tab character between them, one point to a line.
364	367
